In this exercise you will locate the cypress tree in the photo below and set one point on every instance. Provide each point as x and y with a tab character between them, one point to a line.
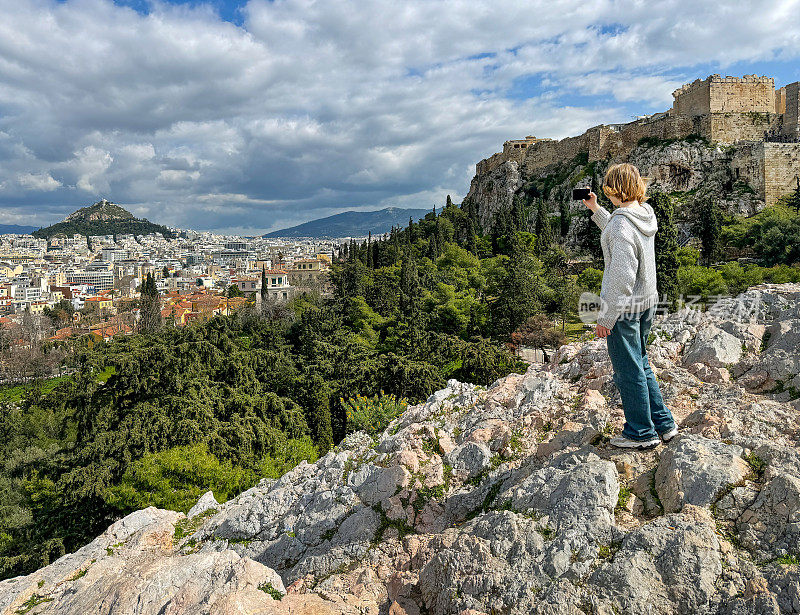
794	199
368	246
449	202
395	244
149	305
264	291
709	229
472	239
589	231
440	238
666	247
563	210
519	290
433	250
544	233
409	285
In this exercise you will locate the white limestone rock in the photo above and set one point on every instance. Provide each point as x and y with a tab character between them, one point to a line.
713	347
697	470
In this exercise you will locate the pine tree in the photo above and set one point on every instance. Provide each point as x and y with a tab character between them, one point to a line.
666	247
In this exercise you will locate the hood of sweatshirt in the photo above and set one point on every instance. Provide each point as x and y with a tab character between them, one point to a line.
643	218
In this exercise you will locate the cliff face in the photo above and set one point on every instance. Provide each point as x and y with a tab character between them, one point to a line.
502	500
688	169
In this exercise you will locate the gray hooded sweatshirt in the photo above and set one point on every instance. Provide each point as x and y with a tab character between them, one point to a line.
629	279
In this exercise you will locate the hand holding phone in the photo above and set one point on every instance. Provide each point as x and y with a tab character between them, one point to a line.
588	197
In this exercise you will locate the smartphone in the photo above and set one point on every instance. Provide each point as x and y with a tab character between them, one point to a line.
581	194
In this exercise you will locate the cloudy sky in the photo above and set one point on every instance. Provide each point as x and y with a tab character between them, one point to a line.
252	116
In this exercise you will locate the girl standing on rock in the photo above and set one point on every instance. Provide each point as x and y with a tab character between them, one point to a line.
628	302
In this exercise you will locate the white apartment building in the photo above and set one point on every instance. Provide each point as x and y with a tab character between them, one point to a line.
101	280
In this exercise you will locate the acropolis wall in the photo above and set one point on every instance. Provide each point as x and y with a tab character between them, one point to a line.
739	111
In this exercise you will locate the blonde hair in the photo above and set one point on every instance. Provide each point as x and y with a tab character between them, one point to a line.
623	182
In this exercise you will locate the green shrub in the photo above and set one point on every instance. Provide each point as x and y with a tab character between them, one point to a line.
781	274
688	256
590	279
175	478
372	414
701	281
738	278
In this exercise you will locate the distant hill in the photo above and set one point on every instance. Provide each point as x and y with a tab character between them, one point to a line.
102	218
16	229
353	223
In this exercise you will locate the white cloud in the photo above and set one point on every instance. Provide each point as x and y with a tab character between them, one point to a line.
316	106
40	182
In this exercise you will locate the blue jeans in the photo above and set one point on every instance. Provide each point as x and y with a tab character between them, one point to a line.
646	416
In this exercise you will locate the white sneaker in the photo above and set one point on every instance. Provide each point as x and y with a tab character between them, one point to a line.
623	442
666	437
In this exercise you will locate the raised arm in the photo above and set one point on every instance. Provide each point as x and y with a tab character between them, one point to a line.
599	213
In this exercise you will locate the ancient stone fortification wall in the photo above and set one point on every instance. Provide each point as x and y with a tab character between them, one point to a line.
609	142
487	165
721	109
692	99
545	153
731	127
781	167
780	101
791	119
769	168
750	93
717	94
747	165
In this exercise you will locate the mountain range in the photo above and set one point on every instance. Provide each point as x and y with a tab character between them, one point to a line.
16	229
352	223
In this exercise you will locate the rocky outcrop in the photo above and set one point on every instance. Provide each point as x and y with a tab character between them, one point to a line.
689	169
505	499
